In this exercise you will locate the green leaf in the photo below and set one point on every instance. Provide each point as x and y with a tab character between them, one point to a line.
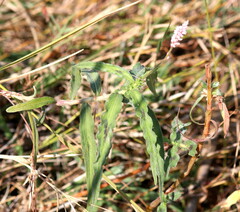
192	147
216	92
151	82
95	81
137	71
105	132
41	117
108	122
204	84
162	207
152	142
105	67
76	79
215	84
32	104
174	196
177	142
160	143
89	148
232	199
178	125
173	157
175	137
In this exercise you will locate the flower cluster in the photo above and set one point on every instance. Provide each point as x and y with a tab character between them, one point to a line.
178	34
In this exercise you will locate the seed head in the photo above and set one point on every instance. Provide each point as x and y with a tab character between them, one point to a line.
178	34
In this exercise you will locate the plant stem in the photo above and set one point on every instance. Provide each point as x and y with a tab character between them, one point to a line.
208	113
33	175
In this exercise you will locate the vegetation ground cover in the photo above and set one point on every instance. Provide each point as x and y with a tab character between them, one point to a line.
88	79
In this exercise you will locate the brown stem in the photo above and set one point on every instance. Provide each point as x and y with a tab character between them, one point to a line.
208	113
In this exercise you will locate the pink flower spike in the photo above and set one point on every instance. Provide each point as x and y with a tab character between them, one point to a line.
178	34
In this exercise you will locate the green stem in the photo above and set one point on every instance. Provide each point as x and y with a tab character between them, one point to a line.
35	139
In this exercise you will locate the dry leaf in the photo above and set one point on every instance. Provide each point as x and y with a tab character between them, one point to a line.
226	119
225	115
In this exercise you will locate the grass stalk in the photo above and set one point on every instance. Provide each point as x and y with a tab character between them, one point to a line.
33	174
124	196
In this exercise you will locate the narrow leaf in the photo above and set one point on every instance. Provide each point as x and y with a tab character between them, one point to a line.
175	137
32	104
95	81
18	159
71	147
146	124
151	82
104	136
86	128
108	122
75	82
100	66
160	143
158	131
